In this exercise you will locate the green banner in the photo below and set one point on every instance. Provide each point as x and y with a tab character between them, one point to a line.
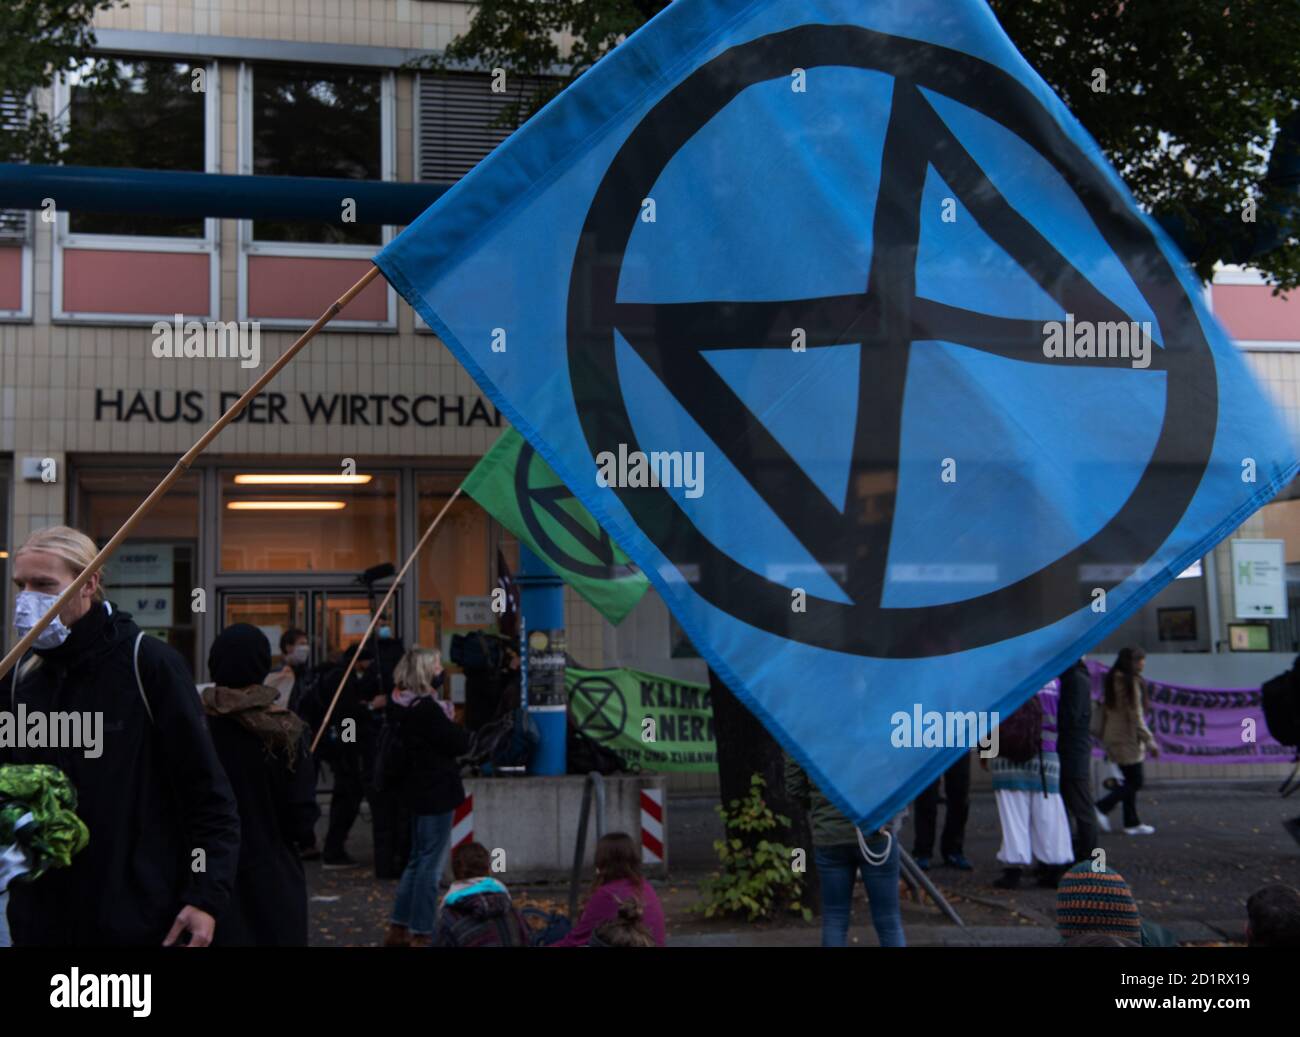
518	488
654	722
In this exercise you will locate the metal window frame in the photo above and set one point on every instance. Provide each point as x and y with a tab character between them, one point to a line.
246	246
65	240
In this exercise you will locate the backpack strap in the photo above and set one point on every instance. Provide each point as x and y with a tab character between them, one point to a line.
135	662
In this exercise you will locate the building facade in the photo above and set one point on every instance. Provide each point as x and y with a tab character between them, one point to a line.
342	463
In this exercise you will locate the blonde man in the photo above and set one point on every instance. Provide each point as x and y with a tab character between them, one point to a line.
153	795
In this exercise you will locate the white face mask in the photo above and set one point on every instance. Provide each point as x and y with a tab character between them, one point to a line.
29	607
299	654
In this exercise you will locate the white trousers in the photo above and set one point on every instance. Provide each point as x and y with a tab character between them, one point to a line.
1034	828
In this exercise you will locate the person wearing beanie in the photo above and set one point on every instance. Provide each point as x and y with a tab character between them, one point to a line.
264	751
1092	900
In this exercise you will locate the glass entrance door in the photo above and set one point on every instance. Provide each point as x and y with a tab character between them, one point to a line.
339	618
272	613
334	619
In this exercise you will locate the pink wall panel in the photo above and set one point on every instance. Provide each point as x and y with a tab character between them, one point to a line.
107	281
1254	313
11	278
302	289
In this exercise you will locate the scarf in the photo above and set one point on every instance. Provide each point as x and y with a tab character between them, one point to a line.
254	709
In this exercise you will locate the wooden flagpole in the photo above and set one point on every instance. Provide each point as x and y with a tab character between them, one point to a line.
374	620
181	467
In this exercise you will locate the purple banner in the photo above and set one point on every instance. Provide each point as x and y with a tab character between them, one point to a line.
1203	725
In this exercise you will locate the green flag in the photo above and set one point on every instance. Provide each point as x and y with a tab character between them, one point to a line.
518	488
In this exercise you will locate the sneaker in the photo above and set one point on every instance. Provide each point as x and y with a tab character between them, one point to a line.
1139	830
1103	822
922	862
958	861
338	860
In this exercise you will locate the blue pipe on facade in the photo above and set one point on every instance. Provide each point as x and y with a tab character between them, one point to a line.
541	600
171	193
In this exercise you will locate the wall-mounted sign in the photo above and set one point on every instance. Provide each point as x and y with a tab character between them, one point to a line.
191	406
1259	579
137	564
472	611
148	606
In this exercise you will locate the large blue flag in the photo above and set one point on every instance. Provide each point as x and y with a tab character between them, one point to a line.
930	407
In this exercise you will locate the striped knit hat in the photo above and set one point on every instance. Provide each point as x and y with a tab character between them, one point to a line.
1090	901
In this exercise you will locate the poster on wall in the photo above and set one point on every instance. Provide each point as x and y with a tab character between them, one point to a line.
1259	579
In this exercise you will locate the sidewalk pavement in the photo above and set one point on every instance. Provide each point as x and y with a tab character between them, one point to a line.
1215	843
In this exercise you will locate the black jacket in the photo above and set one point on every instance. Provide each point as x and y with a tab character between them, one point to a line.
429	781
1073	742
277	810
155	795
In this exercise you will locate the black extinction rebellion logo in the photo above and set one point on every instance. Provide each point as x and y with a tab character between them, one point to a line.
543	505
606	708
886	318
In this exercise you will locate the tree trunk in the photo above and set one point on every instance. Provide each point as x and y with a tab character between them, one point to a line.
744	749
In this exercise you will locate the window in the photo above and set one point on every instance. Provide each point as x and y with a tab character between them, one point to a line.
153	574
309	122
304	521
137	114
13	119
460	120
454	563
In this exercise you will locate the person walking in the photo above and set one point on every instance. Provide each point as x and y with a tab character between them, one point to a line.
264	750
1074	748
956	785
418	761
841	853
1126	737
153	795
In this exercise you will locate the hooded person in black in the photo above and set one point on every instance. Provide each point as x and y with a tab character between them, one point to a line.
1074	748
153	795
264	750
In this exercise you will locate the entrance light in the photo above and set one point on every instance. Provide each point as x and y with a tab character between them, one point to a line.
300	479
285	505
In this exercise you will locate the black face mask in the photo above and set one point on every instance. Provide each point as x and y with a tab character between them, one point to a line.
437	681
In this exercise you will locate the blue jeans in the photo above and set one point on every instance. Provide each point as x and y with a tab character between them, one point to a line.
837	865
416	906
